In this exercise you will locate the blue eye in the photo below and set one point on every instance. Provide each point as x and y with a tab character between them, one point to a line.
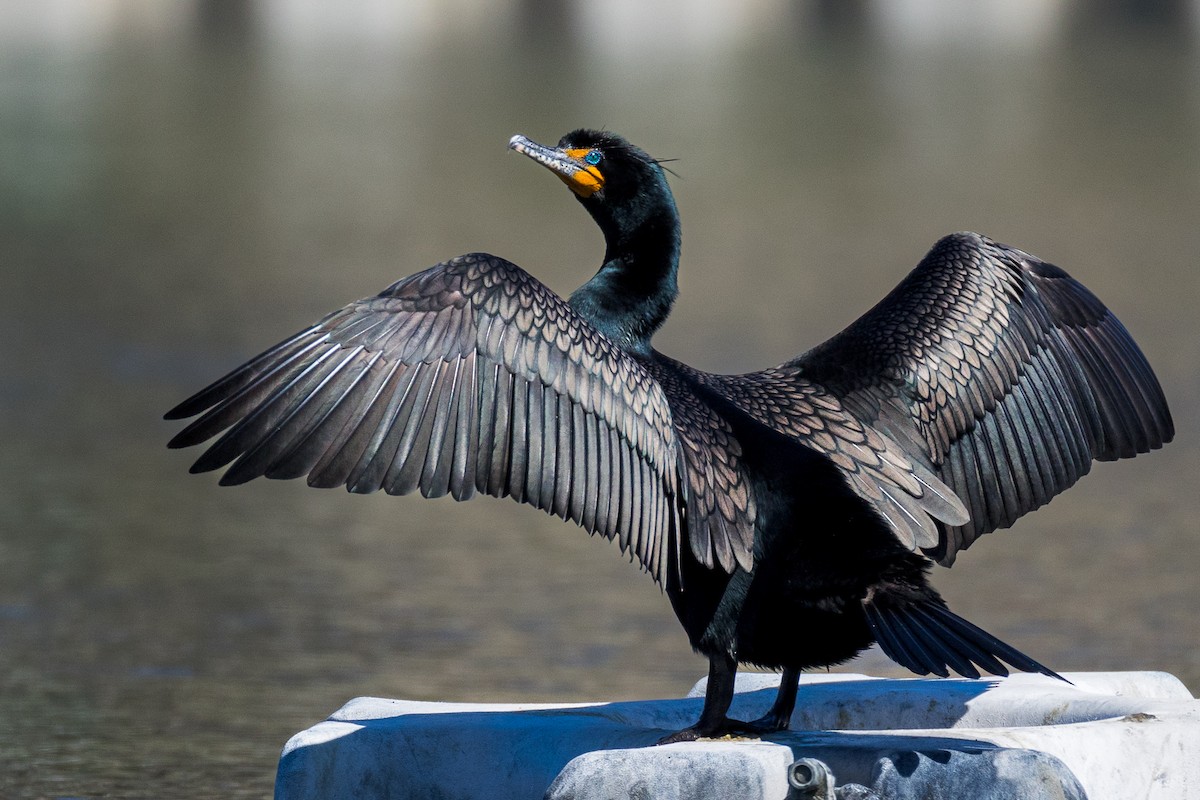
593	157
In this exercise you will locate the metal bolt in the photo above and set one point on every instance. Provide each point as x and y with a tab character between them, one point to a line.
811	779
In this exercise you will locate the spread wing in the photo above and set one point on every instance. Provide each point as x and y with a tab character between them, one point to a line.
469	376
1002	372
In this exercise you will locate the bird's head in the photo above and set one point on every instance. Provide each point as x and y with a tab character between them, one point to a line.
621	186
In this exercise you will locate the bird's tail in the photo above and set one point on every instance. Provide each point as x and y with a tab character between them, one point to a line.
927	637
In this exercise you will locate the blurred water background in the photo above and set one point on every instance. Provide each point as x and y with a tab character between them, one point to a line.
183	184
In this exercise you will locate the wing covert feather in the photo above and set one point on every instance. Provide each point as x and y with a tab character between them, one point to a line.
718	500
906	495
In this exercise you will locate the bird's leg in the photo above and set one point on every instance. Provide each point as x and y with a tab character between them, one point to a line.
722	669
780	715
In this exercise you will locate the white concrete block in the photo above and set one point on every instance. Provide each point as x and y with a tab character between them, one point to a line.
1118	735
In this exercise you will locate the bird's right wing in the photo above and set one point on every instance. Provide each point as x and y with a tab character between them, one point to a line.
469	376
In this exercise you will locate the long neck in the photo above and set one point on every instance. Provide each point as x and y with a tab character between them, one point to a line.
632	294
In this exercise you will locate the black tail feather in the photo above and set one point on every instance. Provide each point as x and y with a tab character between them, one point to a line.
916	645
964	649
926	637
891	642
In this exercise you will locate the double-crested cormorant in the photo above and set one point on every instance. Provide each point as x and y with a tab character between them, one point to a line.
791	514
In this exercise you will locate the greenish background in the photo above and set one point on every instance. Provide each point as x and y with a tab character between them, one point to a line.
184	184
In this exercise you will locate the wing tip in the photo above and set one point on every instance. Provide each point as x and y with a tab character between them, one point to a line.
196	404
232	478
177	413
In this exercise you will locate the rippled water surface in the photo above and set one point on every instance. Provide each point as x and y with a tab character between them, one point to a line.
168	208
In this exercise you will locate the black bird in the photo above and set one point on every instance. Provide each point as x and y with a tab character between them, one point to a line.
791	514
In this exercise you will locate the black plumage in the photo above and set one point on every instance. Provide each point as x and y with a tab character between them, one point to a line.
791	514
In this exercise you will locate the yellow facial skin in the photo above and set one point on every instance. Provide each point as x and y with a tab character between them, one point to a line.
588	179
568	163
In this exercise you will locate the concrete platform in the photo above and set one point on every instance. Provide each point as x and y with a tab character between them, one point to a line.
1109	735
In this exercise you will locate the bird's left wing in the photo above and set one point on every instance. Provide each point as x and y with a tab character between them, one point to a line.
1003	373
469	376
